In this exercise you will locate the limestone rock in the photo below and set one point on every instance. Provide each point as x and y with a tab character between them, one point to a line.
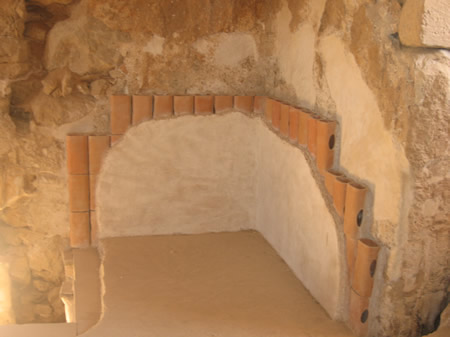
425	23
59	83
43	311
84	45
41	285
50	111
7	134
19	270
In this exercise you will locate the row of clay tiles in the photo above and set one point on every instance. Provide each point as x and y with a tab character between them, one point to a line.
299	126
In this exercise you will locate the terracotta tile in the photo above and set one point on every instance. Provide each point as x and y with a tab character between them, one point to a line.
303	117
365	266
142	109
204	105
77	154
284	119
79	193
350	252
276	114
244	103
354	208
79	229
339	190
94	229
269	109
163	106
330	177
120	114
293	124
223	103
358	314
92	187
325	142
312	134
183	105
98	147
115	139
259	107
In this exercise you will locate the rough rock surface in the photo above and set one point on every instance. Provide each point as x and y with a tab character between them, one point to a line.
60	59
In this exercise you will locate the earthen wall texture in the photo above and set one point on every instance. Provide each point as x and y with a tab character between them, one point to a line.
61	59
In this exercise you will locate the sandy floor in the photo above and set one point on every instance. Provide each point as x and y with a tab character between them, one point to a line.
215	285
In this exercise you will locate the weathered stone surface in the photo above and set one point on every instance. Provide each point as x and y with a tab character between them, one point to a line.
424	23
20	270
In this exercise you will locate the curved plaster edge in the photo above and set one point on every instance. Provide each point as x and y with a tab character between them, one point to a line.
291	197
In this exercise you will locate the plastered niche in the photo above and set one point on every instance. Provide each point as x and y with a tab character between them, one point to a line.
198	174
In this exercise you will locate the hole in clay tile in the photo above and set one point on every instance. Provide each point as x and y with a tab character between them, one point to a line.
373	266
364	316
331	142
359	218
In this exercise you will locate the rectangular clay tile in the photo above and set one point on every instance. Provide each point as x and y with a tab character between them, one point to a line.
244	103
293	124
223	103
276	114
98	146
79	193
77	154
183	105
142	109
120	114
259	105
284	120
92	187
79	229
163	106
204	105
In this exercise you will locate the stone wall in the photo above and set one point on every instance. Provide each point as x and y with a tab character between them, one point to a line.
60	59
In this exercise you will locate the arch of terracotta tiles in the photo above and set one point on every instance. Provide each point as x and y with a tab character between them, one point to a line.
309	132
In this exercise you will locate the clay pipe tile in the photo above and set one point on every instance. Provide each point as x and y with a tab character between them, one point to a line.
98	146
77	154
259	106
350	251
204	105
120	114
79	193
223	104
339	191
163	106
312	134
276	114
269	109
94	228
244	103
365	265
79	229
183	105
293	123
284	119
325	142
330	177
142	109
358	314
303	117
354	208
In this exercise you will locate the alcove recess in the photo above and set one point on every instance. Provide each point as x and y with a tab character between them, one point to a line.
308	132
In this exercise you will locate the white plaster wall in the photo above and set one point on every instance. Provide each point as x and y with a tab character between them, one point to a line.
186	175
293	216
222	173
